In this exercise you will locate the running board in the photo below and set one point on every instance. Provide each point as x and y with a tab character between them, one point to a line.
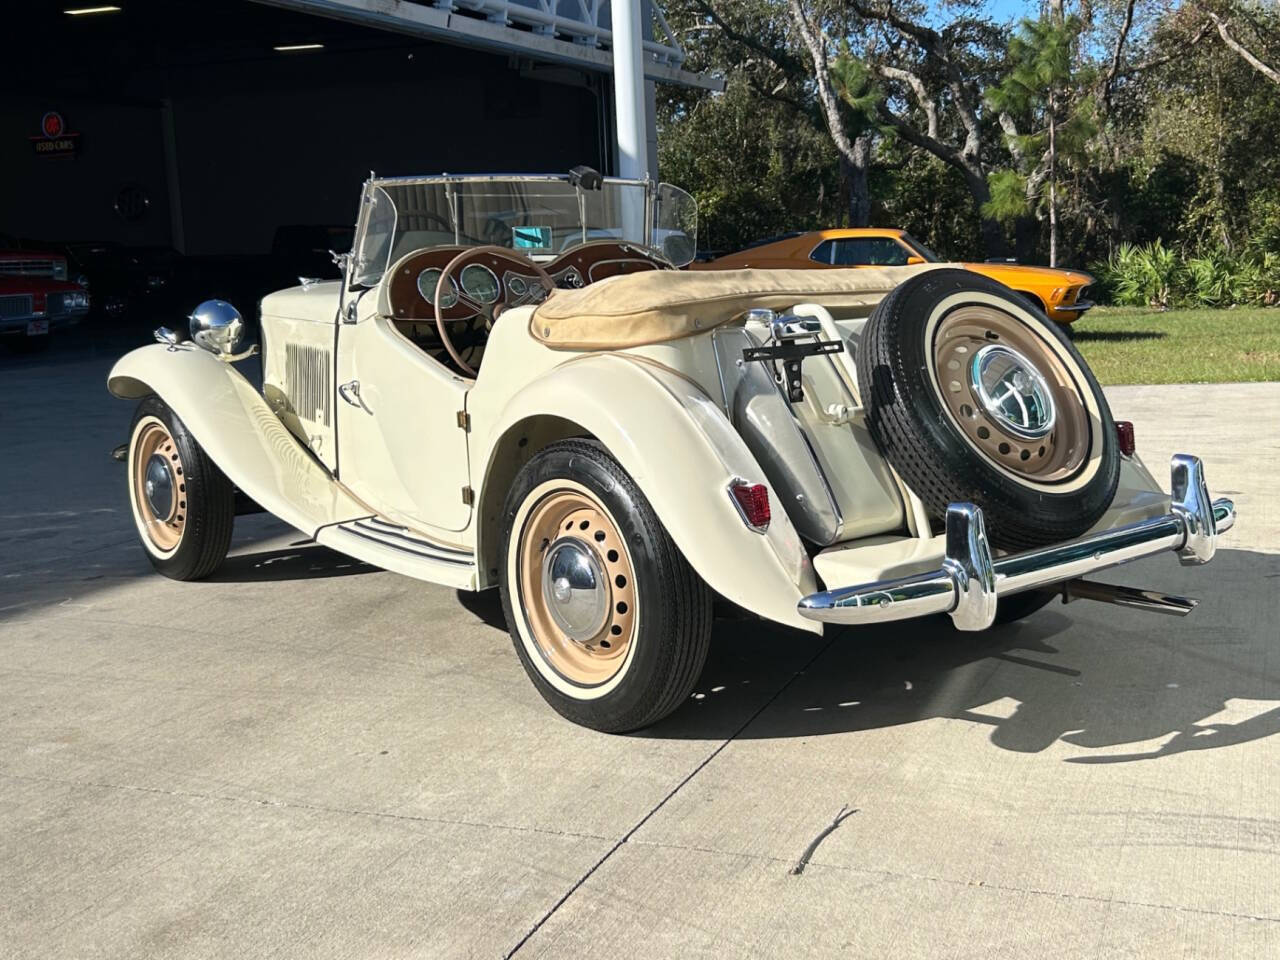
1152	601
400	550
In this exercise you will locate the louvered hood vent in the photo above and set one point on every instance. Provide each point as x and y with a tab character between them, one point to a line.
308	383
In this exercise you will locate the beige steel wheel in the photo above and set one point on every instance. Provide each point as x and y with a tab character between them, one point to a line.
159	486
976	397
1015	401
611	623
577	587
183	506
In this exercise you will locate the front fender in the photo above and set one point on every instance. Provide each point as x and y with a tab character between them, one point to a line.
682	452
240	433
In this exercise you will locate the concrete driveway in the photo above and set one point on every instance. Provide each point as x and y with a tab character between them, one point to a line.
307	757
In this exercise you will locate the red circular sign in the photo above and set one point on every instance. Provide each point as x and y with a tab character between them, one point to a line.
51	124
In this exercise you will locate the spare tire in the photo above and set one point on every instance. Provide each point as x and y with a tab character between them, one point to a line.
976	396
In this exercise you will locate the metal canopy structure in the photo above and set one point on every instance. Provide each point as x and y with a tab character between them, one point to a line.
573	32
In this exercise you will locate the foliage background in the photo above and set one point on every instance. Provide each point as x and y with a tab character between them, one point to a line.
1178	167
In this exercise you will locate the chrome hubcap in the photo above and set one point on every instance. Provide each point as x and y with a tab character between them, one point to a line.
1013	391
158	486
574	588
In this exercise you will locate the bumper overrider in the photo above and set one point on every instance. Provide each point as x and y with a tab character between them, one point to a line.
970	581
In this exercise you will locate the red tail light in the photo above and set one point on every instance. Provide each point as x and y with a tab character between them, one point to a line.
753	503
1124	434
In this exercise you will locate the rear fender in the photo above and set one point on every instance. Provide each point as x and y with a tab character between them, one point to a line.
682	452
238	430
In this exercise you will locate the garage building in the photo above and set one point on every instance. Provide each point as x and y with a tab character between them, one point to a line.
205	125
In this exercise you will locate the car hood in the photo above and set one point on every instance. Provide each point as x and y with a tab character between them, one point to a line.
1042	274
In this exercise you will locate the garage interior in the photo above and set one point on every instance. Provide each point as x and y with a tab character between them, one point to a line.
205	126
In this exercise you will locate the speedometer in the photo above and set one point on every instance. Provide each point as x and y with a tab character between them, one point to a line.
480	283
428	280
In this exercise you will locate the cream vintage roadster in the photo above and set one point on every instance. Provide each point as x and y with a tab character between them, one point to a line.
514	386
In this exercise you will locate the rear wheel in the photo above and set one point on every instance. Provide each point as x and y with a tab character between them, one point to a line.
608	618
183	505
975	397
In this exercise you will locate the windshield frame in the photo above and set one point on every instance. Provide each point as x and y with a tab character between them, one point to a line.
369	275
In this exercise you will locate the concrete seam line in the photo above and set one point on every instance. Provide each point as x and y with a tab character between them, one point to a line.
310	807
952	882
661	803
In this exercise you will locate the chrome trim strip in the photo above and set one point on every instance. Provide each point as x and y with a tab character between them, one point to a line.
970	582
404	542
1080	306
388	528
492	177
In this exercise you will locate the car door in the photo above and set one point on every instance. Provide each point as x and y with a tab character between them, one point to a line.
402	442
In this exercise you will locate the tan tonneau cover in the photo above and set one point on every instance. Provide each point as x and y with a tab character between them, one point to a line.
652	307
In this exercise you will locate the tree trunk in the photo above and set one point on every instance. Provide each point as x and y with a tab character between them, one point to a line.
857	188
855	156
994	243
1026	237
1053	184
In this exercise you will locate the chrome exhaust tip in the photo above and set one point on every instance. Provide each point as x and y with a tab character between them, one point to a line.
1152	601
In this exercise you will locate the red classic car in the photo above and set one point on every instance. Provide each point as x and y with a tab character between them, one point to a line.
35	295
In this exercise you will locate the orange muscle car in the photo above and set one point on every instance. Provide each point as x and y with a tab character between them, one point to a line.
1057	292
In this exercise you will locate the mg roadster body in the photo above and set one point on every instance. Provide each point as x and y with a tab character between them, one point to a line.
512	386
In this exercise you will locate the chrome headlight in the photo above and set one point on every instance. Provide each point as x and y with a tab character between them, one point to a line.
217	326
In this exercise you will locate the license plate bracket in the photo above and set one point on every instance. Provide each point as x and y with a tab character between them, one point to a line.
791	354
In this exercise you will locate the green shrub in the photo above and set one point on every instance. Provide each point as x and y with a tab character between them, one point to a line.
1145	276
1211	279
1153	275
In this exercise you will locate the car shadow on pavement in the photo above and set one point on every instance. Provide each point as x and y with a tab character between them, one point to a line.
1128	685
486	605
303	562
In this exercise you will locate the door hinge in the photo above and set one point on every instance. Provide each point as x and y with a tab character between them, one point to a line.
468	496
464	421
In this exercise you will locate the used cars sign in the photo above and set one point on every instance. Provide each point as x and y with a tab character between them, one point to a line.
54	140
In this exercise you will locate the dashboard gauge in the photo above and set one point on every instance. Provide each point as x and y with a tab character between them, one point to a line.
480	283
571	279
428	280
517	285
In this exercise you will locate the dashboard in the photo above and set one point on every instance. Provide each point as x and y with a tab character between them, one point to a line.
487	281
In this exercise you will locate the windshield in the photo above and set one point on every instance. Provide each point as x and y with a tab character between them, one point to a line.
920	248
540	217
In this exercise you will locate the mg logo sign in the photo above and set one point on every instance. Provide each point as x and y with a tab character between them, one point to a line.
52	125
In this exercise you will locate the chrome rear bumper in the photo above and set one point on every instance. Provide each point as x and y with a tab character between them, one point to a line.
970	581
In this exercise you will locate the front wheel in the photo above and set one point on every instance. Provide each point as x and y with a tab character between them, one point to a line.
183	505
608	618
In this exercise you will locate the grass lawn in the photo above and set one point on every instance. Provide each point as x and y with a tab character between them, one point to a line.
1135	345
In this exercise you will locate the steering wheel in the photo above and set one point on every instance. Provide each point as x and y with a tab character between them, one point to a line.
519	281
